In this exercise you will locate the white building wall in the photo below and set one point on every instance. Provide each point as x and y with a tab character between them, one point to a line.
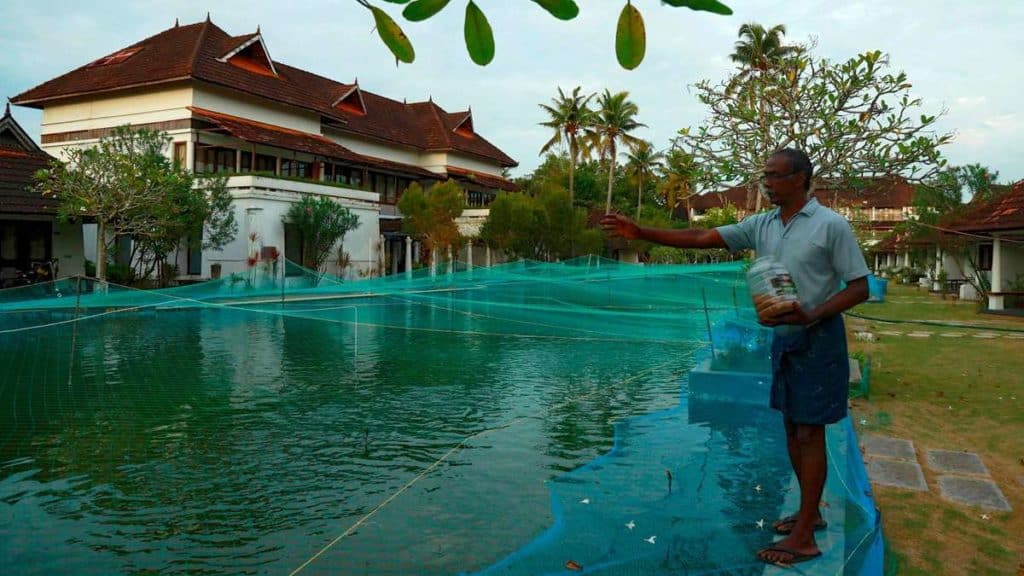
1012	263
260	205
473	163
130	107
375	148
257	109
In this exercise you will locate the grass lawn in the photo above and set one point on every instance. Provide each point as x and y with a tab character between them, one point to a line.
948	393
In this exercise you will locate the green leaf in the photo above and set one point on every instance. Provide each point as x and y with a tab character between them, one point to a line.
393	37
630	37
422	9
479	38
398	1
713	6
561	9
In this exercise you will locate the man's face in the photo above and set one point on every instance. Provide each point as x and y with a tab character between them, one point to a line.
780	183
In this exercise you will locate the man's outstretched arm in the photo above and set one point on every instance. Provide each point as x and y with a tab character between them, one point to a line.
621	226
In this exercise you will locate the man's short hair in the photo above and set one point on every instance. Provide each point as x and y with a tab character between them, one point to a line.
798	162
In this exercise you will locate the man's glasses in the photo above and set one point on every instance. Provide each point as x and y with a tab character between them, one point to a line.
775	175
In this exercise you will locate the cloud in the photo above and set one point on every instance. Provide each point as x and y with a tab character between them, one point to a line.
968	102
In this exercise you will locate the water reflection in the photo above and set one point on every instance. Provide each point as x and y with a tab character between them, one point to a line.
242	441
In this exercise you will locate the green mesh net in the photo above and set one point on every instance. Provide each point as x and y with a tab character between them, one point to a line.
440	422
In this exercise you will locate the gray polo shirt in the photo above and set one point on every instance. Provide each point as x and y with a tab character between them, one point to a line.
817	246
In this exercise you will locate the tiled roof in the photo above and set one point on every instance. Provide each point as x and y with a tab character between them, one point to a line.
270	135
879	193
1006	212
17	169
194	52
487	180
20	159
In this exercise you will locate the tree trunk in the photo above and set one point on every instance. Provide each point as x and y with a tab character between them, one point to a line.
639	194
611	178
101	250
572	173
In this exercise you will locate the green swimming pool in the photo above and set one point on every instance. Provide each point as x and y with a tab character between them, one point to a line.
372	429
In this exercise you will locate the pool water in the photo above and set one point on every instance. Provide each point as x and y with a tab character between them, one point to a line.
247	441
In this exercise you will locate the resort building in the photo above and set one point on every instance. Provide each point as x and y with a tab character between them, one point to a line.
279	132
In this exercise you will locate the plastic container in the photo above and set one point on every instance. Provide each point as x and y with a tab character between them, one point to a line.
772	288
877	288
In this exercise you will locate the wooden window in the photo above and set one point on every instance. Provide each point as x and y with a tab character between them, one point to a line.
985	257
217	159
295	168
180	153
265	163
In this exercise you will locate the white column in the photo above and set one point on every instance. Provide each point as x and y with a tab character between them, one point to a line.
433	262
906	258
876	264
469	255
996	302
381	251
938	269
451	261
408	256
487	256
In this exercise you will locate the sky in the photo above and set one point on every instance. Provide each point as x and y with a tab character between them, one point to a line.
962	57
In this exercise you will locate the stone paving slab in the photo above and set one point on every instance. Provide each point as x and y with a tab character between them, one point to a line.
956	462
892	448
891	333
986	335
919	334
907	475
973	492
952	334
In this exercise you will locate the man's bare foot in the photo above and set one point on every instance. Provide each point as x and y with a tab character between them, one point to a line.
785	525
786	553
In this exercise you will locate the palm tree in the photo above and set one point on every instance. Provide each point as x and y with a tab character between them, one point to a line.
570	117
616	118
678	175
643	160
758	52
759	49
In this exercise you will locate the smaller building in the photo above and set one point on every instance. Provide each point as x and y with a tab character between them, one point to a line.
874	207
30	234
996	230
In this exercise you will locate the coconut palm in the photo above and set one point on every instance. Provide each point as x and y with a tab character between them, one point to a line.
642	161
759	49
570	116
678	175
615	119
758	52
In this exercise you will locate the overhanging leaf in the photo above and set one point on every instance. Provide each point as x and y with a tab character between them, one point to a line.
630	37
479	37
422	9
393	37
713	6
561	9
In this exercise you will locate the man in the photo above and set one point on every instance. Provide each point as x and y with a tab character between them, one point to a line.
810	370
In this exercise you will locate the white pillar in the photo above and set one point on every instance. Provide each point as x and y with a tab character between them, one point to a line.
408	256
906	258
487	256
469	255
938	270
433	262
381	259
451	261
876	264
996	302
